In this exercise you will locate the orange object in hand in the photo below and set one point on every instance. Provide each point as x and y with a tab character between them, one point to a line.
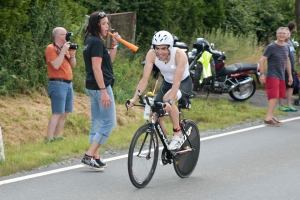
127	44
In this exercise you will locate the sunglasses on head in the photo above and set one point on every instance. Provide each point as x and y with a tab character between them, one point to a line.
102	14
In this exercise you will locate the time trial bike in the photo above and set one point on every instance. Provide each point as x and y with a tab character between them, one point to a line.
144	148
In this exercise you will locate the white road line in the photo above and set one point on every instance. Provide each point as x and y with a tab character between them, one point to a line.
39	174
125	156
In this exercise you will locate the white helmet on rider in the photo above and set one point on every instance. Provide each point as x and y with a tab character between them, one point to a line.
163	38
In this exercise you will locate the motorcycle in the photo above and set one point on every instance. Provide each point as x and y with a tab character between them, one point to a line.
234	79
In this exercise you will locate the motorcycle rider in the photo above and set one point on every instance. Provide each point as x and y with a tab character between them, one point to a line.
173	65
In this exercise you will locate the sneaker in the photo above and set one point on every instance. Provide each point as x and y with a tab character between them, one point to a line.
49	140
283	108
100	162
271	123
58	138
169	141
277	121
175	143
53	139
90	161
292	109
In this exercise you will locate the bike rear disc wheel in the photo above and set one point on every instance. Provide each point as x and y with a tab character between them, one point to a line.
185	164
141	166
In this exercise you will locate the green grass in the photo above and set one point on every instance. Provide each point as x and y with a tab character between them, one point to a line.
32	155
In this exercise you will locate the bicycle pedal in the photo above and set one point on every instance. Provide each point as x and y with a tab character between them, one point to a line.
184	151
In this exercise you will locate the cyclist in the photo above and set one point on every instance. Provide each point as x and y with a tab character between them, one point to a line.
173	65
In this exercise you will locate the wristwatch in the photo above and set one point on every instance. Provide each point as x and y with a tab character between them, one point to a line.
170	102
262	73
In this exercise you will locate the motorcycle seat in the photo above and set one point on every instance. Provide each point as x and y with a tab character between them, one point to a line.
238	67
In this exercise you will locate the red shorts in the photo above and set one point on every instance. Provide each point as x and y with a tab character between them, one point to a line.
275	88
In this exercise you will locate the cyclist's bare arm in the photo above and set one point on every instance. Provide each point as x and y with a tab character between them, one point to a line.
150	58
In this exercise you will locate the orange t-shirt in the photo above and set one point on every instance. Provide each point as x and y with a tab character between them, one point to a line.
64	71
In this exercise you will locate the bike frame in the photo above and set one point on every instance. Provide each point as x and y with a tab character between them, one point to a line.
157	112
155	124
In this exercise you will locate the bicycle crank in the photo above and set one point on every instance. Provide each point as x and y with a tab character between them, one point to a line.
166	157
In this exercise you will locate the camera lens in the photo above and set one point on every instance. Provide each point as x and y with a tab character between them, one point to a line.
73	46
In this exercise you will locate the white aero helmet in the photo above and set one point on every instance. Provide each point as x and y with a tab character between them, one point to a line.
163	38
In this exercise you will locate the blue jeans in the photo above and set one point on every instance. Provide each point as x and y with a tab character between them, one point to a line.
61	95
103	119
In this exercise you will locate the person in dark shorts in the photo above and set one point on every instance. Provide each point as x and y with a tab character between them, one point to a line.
277	55
173	65
289	88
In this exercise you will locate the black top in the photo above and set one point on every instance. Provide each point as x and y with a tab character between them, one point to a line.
94	47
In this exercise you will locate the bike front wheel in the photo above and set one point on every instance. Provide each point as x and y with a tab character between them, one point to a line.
143	156
184	164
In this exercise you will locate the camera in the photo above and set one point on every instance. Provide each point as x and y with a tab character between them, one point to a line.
72	45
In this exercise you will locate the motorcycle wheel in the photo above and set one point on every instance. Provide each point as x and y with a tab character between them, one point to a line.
243	92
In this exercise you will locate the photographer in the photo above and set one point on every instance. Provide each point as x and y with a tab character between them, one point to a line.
60	59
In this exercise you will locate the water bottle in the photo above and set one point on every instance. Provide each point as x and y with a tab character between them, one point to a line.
150	96
147	112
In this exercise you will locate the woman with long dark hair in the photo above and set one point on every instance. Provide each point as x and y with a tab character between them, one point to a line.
99	82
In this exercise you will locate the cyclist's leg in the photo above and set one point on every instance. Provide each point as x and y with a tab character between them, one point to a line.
184	89
174	116
163	126
159	98
162	96
177	138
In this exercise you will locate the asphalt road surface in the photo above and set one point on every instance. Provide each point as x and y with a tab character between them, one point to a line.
254	163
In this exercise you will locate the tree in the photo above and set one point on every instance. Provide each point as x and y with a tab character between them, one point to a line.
297	13
25	31
262	17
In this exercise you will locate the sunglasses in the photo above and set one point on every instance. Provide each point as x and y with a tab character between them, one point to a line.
102	14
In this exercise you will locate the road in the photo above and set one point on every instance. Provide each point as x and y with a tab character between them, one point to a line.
255	163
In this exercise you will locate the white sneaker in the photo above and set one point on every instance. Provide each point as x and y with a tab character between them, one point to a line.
169	141
176	143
